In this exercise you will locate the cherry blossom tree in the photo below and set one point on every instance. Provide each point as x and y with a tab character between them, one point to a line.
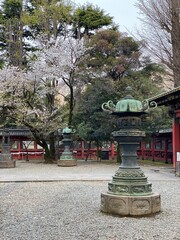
31	97
28	100
62	61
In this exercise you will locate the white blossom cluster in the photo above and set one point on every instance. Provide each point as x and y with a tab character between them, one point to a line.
25	97
59	62
31	95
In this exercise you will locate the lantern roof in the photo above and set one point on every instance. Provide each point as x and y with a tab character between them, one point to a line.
67	130
127	105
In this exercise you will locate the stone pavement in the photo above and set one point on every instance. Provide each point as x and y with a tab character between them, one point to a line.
84	171
47	202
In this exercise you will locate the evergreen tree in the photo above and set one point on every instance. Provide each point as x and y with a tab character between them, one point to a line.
89	18
12	31
91	122
117	60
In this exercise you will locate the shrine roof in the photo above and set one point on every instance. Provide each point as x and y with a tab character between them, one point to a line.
17	132
167	98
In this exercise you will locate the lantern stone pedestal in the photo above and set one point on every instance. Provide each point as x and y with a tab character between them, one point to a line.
129	193
130	205
6	160
67	159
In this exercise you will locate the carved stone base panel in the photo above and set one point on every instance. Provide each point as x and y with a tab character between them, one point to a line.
130	205
7	164
67	163
131	188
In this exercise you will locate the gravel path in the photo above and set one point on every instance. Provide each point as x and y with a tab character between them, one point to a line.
70	211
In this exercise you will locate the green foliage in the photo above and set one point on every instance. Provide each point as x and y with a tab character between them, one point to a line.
114	61
157	119
117	60
90	18
12	8
11	33
114	54
127	45
145	80
50	17
92	123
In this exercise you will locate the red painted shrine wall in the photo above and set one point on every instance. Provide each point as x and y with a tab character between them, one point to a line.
158	148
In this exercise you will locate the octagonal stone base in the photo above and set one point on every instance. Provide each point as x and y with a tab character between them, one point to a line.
67	163
130	205
7	164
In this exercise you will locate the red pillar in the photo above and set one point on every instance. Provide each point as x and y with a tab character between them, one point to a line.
112	150
20	144
176	136
82	149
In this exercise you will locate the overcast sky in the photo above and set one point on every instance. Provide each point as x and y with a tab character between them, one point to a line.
124	12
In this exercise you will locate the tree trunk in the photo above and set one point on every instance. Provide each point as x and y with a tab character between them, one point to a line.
71	106
15	31
88	151
175	37
47	155
43	143
52	146
97	144
27	156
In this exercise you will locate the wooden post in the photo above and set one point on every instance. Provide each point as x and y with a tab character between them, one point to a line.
176	136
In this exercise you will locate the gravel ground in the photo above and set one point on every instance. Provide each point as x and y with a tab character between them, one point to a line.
70	211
